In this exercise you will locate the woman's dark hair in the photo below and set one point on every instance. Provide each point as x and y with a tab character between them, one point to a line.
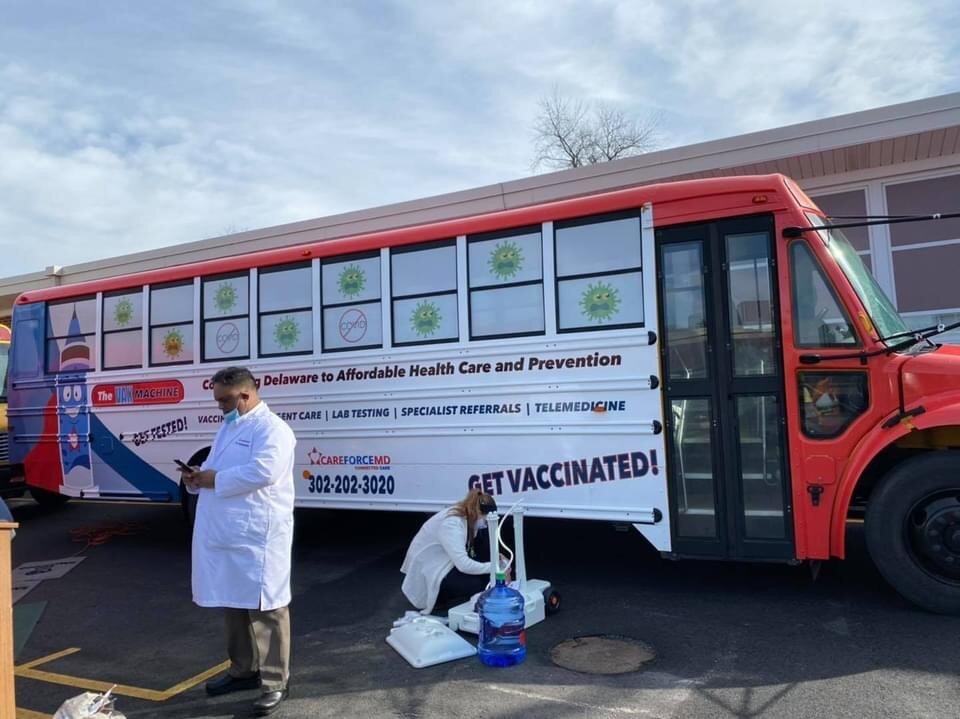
470	508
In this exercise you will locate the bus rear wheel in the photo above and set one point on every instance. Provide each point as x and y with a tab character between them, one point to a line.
913	530
48	499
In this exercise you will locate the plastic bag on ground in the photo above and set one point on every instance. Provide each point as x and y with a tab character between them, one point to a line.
89	705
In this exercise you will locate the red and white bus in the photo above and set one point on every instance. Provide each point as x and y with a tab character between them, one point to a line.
694	358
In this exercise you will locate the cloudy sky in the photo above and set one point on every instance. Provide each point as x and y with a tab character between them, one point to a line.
128	125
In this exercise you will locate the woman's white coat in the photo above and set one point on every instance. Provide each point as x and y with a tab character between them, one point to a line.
439	546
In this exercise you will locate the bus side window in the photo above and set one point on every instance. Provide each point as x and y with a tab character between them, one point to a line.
818	318
26	359
830	401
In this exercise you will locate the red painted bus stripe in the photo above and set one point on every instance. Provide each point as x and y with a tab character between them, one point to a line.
688	191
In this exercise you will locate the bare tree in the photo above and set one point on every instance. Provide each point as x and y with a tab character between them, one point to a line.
571	133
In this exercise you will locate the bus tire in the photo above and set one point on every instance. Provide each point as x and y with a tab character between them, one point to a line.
913	530
48	499
188	502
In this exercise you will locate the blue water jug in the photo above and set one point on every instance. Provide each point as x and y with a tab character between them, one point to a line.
503	640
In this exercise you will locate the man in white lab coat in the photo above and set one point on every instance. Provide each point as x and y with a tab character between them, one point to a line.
243	535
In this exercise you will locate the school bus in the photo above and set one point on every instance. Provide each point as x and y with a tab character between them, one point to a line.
707	360
5	472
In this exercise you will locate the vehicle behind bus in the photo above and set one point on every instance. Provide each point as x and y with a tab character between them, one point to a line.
8	485
708	360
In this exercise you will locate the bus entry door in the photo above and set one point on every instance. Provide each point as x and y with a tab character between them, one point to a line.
723	385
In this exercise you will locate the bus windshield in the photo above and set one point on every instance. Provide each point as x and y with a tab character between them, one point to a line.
881	310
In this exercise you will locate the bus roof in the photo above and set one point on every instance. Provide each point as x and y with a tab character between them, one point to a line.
734	194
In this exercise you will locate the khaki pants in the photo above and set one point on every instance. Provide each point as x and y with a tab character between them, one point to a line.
259	641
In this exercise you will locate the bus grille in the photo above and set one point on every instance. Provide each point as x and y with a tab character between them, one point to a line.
4	447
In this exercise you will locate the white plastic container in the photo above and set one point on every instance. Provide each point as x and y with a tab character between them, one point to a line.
426	641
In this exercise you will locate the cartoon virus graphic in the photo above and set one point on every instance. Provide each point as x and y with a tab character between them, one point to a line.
425	318
226	297
123	312
173	343
352	281
286	333
600	302
506	260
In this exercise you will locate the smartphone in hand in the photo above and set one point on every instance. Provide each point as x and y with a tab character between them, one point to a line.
184	467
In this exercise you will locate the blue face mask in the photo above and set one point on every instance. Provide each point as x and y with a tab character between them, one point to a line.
232	416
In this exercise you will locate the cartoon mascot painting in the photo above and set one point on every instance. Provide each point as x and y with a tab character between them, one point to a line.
73	412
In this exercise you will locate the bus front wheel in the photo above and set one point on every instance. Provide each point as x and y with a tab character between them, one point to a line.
913	530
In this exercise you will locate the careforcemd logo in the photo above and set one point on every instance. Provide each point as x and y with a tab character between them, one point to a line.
348	474
355	461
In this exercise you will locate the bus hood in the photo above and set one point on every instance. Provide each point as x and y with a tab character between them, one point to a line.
930	374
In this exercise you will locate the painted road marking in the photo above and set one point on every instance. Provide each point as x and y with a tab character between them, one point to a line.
29	671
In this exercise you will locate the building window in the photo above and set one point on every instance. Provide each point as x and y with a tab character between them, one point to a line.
424	288
350	294
71	331
925	254
847	205
123	329
226	317
926	277
171	324
924	197
286	310
599	274
818	318
505	272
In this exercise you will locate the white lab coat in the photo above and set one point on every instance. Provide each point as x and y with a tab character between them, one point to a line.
439	546
243	533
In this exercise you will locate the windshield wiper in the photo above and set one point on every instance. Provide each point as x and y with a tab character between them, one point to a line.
794	232
915	337
924	333
938	330
913	333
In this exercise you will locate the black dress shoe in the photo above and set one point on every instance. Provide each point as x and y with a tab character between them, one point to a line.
229	683
269	701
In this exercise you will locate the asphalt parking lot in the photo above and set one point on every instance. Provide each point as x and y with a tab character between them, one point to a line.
730	640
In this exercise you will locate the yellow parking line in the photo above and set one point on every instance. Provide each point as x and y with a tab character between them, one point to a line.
28	671
92	685
48	658
193	681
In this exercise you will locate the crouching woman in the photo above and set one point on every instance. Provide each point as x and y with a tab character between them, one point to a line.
441	566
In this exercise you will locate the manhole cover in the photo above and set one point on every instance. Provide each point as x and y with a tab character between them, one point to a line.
602	655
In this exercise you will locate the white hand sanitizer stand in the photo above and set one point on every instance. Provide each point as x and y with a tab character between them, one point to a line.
539	598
